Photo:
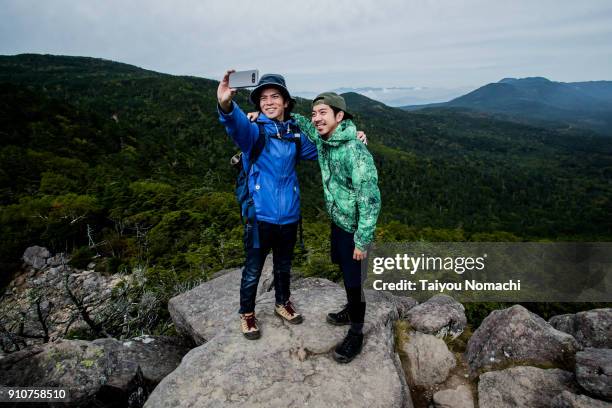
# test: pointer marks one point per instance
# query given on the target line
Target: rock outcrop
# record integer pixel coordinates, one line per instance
(157, 356)
(40, 295)
(441, 316)
(568, 400)
(460, 397)
(592, 328)
(594, 372)
(290, 365)
(428, 359)
(515, 336)
(204, 311)
(85, 370)
(36, 256)
(523, 387)
(97, 372)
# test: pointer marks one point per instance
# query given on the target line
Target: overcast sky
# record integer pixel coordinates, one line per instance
(434, 48)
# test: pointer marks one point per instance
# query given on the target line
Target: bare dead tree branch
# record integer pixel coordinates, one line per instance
(43, 319)
(97, 328)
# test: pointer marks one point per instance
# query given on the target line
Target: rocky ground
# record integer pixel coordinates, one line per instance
(42, 303)
(414, 355)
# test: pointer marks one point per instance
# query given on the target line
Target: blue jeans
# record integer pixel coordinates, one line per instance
(280, 239)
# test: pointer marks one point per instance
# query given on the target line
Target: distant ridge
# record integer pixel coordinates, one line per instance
(540, 101)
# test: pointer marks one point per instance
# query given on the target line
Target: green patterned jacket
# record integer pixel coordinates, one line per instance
(350, 180)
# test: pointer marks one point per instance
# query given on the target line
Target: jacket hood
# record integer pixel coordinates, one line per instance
(344, 132)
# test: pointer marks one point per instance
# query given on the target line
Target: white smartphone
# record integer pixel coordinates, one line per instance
(244, 79)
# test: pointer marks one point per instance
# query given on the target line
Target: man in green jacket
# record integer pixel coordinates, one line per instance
(352, 198)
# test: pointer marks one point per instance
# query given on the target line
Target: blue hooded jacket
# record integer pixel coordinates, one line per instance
(273, 181)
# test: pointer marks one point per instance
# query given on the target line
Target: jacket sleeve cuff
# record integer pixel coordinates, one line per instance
(362, 246)
(229, 114)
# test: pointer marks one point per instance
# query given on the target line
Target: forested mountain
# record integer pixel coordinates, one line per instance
(539, 101)
(135, 162)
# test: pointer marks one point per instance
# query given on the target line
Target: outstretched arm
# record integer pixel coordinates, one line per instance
(237, 125)
(225, 94)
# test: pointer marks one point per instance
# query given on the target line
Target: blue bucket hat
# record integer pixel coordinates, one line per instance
(271, 80)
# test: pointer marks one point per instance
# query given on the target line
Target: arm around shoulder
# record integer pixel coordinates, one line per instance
(309, 144)
(306, 126)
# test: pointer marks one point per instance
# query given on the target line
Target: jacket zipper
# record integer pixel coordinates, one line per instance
(328, 181)
(281, 200)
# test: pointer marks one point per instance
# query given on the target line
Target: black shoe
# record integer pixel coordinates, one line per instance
(350, 347)
(339, 319)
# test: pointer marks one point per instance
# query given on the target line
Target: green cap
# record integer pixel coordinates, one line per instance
(334, 100)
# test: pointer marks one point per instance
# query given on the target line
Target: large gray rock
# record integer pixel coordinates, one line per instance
(441, 315)
(592, 328)
(36, 256)
(202, 312)
(523, 387)
(91, 375)
(594, 372)
(157, 356)
(568, 400)
(460, 397)
(428, 359)
(515, 336)
(290, 365)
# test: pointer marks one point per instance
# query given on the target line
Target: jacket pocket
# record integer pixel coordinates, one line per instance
(292, 200)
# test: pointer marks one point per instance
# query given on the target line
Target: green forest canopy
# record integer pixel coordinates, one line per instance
(139, 159)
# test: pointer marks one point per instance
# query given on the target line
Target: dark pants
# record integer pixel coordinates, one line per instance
(281, 240)
(342, 247)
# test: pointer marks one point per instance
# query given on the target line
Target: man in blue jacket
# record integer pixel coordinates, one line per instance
(273, 185)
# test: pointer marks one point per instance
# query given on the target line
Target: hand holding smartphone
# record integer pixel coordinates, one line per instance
(244, 79)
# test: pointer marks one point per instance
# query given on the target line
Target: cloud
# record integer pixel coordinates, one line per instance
(327, 44)
(400, 96)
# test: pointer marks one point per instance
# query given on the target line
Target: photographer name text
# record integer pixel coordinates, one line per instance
(437, 286)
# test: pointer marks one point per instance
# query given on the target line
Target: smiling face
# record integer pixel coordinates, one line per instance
(325, 120)
(272, 103)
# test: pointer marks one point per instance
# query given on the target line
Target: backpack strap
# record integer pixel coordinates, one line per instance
(250, 205)
(297, 138)
(258, 147)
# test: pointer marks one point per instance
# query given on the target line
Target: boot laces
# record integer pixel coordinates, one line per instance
(343, 314)
(251, 321)
(289, 308)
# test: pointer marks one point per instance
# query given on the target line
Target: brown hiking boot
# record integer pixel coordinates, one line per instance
(287, 312)
(248, 325)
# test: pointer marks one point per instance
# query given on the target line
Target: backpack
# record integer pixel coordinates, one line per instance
(243, 195)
